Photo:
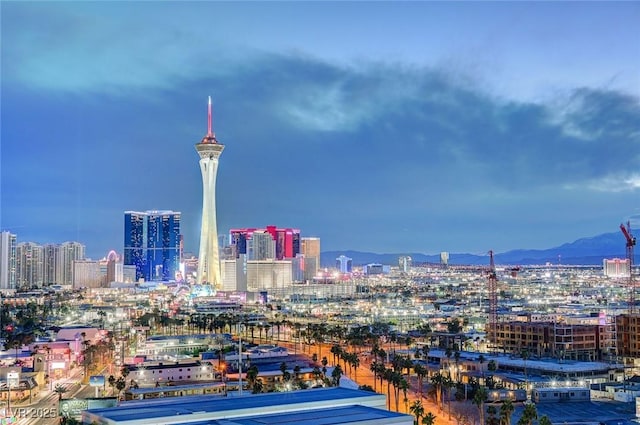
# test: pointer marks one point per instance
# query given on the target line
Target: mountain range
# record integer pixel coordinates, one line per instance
(584, 251)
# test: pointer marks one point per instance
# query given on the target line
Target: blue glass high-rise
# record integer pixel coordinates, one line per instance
(152, 243)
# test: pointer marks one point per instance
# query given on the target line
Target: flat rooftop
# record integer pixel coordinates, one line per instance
(208, 407)
(336, 416)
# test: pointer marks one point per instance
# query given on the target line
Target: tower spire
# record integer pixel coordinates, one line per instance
(209, 130)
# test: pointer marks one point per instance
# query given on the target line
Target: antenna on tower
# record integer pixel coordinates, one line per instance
(209, 130)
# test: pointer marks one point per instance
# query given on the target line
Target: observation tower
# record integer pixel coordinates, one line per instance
(208, 259)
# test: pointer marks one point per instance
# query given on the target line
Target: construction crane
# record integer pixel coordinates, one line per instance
(493, 300)
(631, 242)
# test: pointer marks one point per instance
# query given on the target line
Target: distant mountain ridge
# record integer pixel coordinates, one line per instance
(584, 251)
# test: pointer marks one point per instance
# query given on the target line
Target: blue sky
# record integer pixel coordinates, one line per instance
(379, 126)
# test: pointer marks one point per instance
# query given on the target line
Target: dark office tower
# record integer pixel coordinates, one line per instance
(163, 244)
(152, 243)
(134, 242)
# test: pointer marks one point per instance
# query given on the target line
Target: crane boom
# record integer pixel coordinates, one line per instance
(493, 301)
(631, 243)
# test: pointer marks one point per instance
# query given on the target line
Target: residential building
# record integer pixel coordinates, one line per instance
(552, 339)
(29, 265)
(628, 335)
(68, 252)
(8, 246)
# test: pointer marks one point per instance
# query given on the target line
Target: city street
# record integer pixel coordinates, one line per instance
(44, 409)
(365, 377)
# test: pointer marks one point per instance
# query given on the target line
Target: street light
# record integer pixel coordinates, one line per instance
(222, 368)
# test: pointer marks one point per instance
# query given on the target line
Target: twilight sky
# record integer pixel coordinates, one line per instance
(379, 126)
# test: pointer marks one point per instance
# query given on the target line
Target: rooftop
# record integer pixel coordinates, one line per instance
(335, 416)
(200, 405)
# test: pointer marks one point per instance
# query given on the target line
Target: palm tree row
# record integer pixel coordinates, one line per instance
(421, 418)
(350, 360)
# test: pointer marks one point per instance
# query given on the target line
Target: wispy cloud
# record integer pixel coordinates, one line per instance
(385, 144)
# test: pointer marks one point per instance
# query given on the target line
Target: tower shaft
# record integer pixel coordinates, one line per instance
(209, 151)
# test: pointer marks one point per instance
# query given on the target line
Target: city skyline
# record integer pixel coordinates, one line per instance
(411, 127)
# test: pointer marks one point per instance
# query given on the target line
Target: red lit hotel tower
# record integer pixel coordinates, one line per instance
(209, 151)
(287, 240)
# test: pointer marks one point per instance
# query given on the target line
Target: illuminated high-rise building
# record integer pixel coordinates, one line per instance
(344, 264)
(152, 243)
(68, 252)
(616, 267)
(310, 248)
(51, 254)
(134, 243)
(209, 151)
(405, 262)
(29, 265)
(287, 241)
(7, 260)
(261, 246)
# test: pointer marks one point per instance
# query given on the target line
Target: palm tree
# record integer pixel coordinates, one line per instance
(478, 399)
(448, 383)
(429, 419)
(544, 420)
(481, 360)
(283, 369)
(121, 383)
(388, 376)
(60, 390)
(252, 376)
(355, 362)
(437, 380)
(336, 374)
(374, 368)
(506, 410)
(258, 387)
(418, 410)
(112, 382)
(528, 415)
(421, 373)
(492, 420)
(404, 386)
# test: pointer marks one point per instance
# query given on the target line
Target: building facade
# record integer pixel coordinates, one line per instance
(404, 263)
(68, 253)
(287, 240)
(310, 248)
(616, 267)
(261, 246)
(152, 243)
(8, 246)
(628, 335)
(29, 265)
(553, 339)
(344, 264)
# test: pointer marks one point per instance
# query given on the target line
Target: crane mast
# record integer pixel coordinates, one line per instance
(630, 244)
(493, 300)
